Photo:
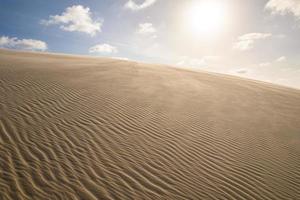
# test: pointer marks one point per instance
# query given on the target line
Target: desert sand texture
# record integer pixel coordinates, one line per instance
(74, 127)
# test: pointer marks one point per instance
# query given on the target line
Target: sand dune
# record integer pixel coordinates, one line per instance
(89, 128)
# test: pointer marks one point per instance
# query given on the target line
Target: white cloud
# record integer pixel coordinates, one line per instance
(24, 44)
(121, 58)
(255, 36)
(196, 62)
(103, 48)
(246, 42)
(75, 18)
(280, 36)
(283, 7)
(265, 64)
(146, 28)
(244, 45)
(240, 71)
(190, 62)
(281, 59)
(132, 5)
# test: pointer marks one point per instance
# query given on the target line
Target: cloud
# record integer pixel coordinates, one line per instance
(132, 5)
(281, 59)
(265, 64)
(240, 71)
(246, 42)
(103, 48)
(75, 18)
(280, 36)
(146, 28)
(24, 44)
(196, 62)
(284, 7)
(121, 58)
(244, 45)
(255, 36)
(191, 62)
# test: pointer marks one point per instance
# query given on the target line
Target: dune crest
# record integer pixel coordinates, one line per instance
(90, 128)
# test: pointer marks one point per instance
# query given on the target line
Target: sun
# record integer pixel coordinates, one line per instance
(205, 17)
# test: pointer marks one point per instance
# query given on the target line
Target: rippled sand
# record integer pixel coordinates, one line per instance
(87, 128)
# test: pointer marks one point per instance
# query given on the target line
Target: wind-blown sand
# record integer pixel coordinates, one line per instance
(90, 128)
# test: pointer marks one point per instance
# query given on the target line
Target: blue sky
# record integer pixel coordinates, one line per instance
(258, 39)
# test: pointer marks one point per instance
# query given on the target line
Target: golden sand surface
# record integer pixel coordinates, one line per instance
(88, 128)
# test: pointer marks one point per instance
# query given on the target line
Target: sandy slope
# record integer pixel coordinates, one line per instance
(87, 128)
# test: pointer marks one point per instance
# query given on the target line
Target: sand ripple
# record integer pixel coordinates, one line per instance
(86, 128)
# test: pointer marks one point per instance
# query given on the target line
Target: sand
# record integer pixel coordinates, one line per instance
(93, 128)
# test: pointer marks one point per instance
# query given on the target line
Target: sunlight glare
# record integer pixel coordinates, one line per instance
(205, 17)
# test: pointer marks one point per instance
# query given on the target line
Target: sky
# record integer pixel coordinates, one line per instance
(257, 39)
